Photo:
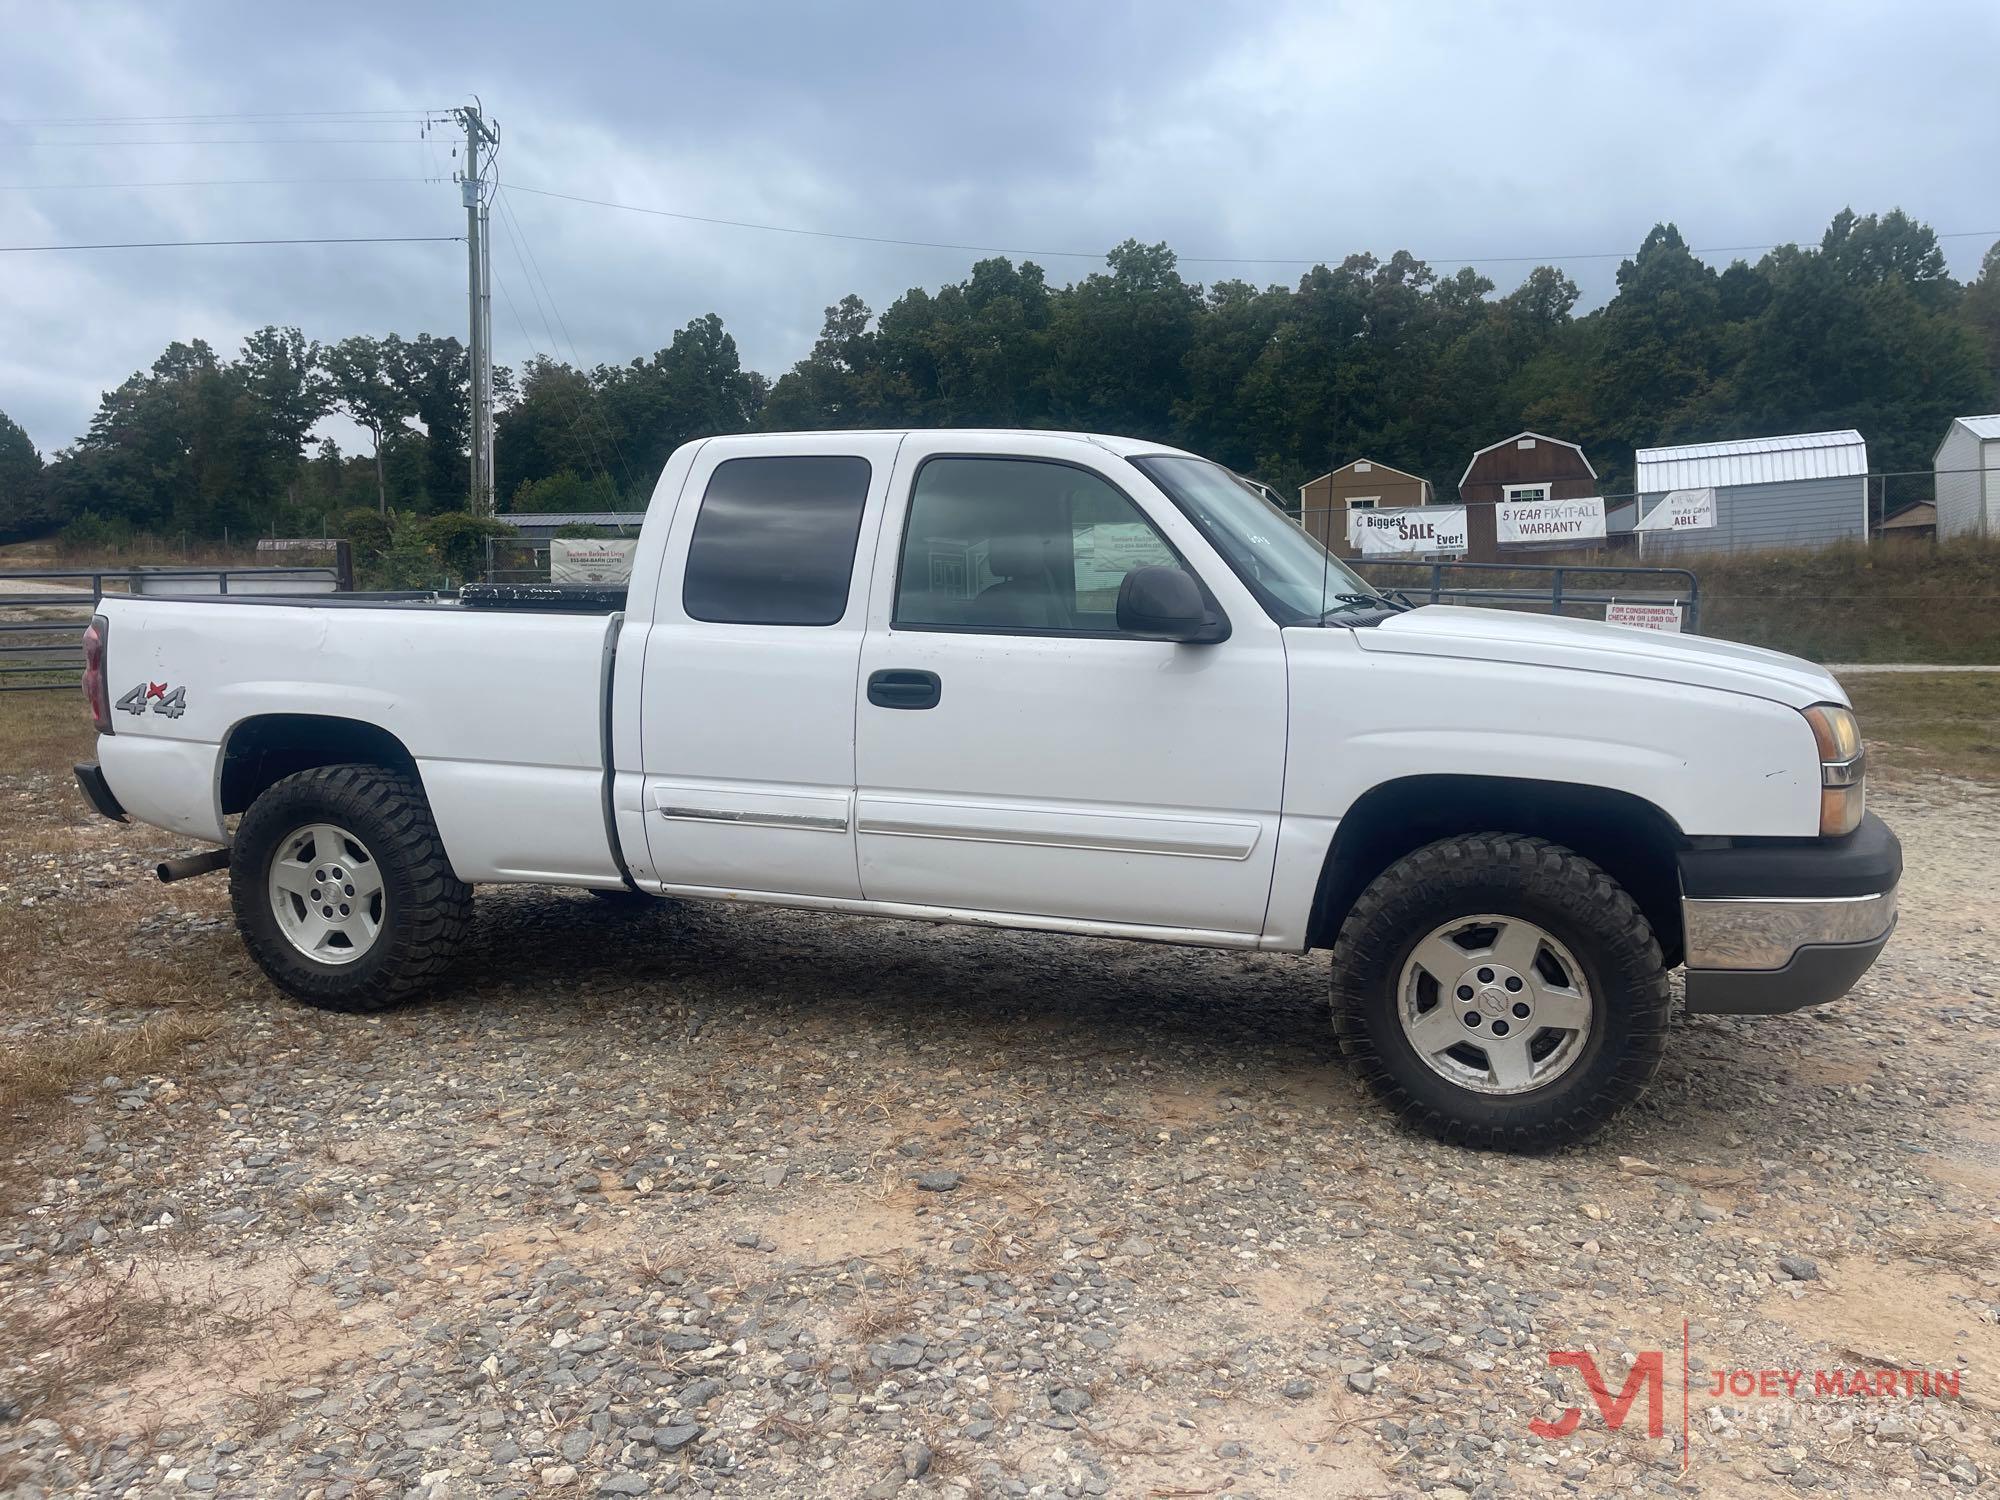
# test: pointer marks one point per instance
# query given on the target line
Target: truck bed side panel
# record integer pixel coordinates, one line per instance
(500, 711)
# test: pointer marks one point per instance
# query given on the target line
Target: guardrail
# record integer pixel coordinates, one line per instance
(62, 602)
(1561, 589)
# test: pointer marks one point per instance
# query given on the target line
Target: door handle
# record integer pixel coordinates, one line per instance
(899, 688)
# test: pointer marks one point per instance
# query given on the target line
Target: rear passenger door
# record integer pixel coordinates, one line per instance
(749, 679)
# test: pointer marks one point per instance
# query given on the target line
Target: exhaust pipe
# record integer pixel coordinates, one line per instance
(184, 866)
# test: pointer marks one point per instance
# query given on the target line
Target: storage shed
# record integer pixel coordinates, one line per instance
(1526, 466)
(1363, 484)
(1806, 489)
(1968, 486)
(1912, 524)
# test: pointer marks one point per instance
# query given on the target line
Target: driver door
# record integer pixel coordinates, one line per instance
(1014, 752)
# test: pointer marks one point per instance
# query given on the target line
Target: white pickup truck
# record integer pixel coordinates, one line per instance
(1079, 684)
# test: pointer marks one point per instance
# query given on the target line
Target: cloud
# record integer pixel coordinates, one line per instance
(1291, 129)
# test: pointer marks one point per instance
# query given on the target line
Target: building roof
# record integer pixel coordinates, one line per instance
(1922, 513)
(1985, 427)
(1538, 437)
(1771, 460)
(550, 520)
(1372, 464)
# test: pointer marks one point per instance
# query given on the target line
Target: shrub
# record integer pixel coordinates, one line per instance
(368, 531)
(458, 539)
(90, 532)
(578, 531)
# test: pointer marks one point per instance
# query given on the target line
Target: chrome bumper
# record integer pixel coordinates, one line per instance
(1761, 955)
(1764, 932)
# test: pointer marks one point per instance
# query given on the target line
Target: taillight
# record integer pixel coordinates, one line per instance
(95, 691)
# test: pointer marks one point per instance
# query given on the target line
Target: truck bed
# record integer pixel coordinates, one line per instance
(500, 709)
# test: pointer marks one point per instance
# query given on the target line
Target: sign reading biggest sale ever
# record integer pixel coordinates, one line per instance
(1406, 529)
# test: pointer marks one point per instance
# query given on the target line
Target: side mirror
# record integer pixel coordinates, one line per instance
(1166, 604)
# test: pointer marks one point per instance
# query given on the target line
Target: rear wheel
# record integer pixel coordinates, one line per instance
(342, 890)
(1500, 991)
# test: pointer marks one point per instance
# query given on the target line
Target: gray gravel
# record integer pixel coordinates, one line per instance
(701, 1200)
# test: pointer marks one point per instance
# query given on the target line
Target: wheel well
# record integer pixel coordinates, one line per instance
(1630, 838)
(265, 750)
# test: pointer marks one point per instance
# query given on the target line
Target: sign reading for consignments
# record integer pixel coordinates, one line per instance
(1407, 529)
(1681, 510)
(1578, 520)
(1644, 616)
(576, 560)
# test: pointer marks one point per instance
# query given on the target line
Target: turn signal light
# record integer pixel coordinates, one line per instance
(1842, 768)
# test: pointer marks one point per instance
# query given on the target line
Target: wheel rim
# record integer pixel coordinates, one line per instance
(326, 892)
(1495, 1004)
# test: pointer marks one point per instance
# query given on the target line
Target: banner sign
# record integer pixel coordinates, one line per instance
(575, 560)
(1407, 529)
(1644, 616)
(1681, 510)
(1579, 520)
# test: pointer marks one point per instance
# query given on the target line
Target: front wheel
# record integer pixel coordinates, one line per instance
(1501, 992)
(342, 890)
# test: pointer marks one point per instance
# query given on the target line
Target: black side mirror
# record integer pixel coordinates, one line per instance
(1165, 604)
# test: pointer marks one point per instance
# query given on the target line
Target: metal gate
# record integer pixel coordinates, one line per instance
(1561, 586)
(43, 612)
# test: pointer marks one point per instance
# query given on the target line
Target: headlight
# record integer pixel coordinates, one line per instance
(1842, 795)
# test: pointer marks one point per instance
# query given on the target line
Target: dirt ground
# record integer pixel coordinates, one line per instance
(690, 1199)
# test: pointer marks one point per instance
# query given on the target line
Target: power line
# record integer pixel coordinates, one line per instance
(351, 239)
(220, 118)
(579, 424)
(518, 234)
(242, 140)
(1227, 260)
(64, 187)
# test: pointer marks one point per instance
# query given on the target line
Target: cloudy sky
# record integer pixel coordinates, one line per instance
(1276, 133)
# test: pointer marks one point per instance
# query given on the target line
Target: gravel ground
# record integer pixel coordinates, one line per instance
(685, 1199)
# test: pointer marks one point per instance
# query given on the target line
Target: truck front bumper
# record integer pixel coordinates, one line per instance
(1777, 926)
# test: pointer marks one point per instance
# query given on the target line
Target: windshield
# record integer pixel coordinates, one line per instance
(1293, 576)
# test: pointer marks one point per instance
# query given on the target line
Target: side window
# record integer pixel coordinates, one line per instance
(774, 542)
(1019, 544)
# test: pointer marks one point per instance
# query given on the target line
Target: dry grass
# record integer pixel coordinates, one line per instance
(34, 1073)
(1943, 721)
(44, 731)
(1967, 1251)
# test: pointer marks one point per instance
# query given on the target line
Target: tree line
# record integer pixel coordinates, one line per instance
(1385, 359)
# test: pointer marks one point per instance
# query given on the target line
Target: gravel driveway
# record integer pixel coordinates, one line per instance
(682, 1199)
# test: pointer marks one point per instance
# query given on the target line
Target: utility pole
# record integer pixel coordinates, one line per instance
(479, 132)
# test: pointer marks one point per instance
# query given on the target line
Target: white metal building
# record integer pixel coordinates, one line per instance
(1807, 489)
(1966, 471)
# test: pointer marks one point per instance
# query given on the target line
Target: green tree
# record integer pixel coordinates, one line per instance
(23, 503)
(566, 493)
(434, 378)
(362, 382)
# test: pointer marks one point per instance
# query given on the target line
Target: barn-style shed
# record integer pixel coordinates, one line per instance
(1363, 484)
(1804, 489)
(1526, 466)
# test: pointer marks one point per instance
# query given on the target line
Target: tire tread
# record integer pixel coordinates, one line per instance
(1372, 936)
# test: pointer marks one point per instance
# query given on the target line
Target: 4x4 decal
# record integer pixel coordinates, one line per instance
(169, 704)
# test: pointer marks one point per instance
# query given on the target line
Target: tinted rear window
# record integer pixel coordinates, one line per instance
(774, 543)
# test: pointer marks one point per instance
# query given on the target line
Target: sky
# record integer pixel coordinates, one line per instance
(1251, 138)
